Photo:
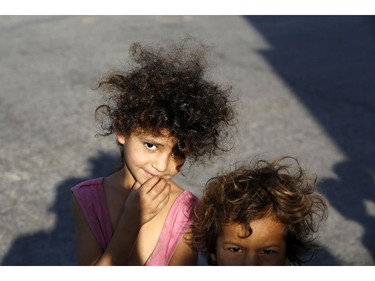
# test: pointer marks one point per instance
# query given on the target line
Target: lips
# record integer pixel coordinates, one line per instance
(148, 174)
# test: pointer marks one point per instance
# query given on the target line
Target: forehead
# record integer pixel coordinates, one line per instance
(151, 133)
(163, 137)
(268, 226)
(263, 230)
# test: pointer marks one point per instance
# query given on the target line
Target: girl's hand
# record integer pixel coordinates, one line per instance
(145, 201)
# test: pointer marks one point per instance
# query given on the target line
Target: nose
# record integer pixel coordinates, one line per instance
(250, 259)
(160, 163)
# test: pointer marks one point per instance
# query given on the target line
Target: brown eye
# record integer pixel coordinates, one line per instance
(150, 146)
(268, 252)
(235, 249)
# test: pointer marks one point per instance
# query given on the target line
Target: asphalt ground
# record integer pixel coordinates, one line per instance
(305, 87)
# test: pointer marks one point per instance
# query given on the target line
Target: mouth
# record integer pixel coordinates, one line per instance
(148, 174)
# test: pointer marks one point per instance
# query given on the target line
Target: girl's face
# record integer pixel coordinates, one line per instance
(265, 245)
(146, 155)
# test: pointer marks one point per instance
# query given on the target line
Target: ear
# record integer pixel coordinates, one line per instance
(120, 138)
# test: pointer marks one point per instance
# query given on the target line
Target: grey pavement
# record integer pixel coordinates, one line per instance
(305, 87)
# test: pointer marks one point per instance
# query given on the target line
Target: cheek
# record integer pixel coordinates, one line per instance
(133, 157)
(173, 167)
(223, 258)
(174, 170)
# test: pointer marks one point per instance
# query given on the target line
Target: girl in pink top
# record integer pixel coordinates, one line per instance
(162, 112)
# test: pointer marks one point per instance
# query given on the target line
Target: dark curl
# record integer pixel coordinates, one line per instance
(166, 91)
(253, 192)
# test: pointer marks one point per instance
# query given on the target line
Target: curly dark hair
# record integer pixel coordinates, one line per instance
(258, 190)
(166, 91)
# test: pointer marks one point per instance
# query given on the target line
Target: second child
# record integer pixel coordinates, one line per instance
(264, 213)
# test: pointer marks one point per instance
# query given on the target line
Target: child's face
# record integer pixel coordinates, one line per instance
(265, 245)
(146, 155)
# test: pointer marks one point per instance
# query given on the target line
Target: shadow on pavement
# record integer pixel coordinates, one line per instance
(57, 247)
(328, 62)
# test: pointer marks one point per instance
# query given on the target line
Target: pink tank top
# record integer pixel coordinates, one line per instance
(90, 196)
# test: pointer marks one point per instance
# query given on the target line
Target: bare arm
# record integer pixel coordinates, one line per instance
(143, 203)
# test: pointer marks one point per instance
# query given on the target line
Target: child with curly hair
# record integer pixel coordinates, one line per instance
(265, 213)
(163, 111)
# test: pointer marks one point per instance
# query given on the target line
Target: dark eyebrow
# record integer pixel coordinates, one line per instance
(231, 243)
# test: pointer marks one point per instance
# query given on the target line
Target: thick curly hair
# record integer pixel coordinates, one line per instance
(166, 91)
(258, 190)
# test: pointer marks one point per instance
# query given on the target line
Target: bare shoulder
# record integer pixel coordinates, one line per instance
(176, 190)
(184, 254)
